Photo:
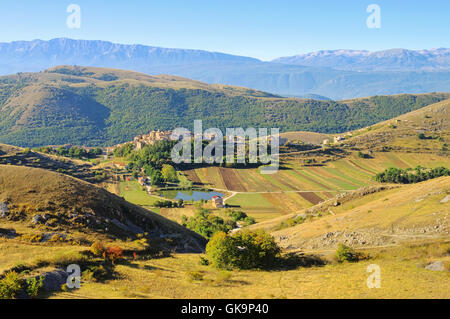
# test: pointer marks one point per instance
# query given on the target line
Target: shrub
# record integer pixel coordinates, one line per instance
(346, 253)
(243, 250)
(98, 273)
(169, 173)
(11, 285)
(207, 224)
(363, 155)
(113, 253)
(56, 238)
(204, 261)
(35, 286)
(97, 249)
(194, 275)
(165, 203)
(32, 238)
(239, 216)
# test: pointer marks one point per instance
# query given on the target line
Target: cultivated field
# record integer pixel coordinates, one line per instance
(296, 187)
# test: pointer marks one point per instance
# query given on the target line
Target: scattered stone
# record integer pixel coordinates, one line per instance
(4, 210)
(435, 266)
(446, 199)
(37, 219)
(54, 280)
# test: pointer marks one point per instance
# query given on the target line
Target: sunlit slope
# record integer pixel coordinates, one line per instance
(77, 205)
(297, 187)
(402, 133)
(388, 217)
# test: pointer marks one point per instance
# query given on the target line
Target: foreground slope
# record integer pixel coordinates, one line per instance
(61, 203)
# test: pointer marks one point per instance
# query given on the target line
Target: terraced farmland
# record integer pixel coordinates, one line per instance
(296, 187)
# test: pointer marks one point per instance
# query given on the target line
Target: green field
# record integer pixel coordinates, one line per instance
(133, 193)
(295, 187)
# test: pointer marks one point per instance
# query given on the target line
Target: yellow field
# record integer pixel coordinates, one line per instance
(401, 277)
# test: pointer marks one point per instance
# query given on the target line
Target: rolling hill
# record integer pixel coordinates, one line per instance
(402, 133)
(313, 176)
(95, 106)
(338, 75)
(36, 197)
(386, 217)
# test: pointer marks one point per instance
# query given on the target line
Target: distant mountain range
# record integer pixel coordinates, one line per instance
(388, 60)
(337, 74)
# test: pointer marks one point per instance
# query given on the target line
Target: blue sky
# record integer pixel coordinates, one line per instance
(264, 29)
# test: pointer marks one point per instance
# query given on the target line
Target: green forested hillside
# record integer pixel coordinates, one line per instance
(92, 106)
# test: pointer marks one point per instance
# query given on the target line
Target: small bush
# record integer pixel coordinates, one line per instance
(204, 261)
(56, 238)
(346, 253)
(98, 273)
(113, 253)
(243, 250)
(363, 155)
(11, 285)
(35, 286)
(194, 275)
(20, 268)
(33, 238)
(97, 249)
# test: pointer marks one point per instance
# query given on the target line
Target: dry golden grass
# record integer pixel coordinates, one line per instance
(181, 276)
(401, 277)
(39, 191)
(408, 207)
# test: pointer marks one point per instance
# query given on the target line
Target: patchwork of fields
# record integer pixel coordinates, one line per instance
(294, 188)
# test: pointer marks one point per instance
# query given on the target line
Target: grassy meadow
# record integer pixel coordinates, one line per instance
(181, 276)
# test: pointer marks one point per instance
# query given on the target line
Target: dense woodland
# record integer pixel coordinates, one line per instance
(113, 113)
(410, 176)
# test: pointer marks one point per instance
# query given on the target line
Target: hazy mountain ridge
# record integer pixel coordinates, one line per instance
(86, 52)
(395, 73)
(362, 60)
